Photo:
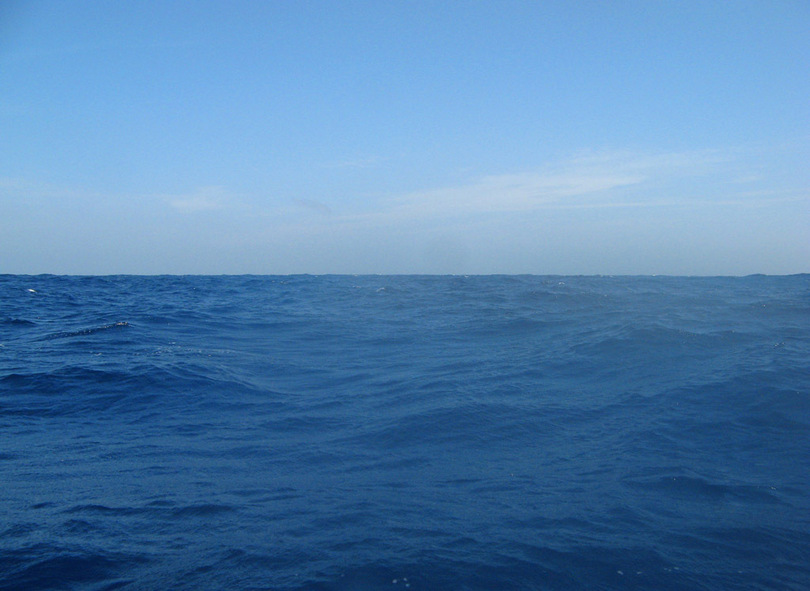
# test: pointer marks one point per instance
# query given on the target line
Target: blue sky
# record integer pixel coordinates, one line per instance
(405, 137)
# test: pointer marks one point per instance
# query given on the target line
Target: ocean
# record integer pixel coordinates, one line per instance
(404, 432)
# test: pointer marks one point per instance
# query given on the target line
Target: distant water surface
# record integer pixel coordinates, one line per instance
(404, 432)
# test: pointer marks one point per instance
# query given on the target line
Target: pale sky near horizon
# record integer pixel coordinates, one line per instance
(548, 137)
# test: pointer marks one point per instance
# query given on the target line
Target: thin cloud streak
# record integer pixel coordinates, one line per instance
(312, 205)
(587, 181)
(358, 163)
(203, 199)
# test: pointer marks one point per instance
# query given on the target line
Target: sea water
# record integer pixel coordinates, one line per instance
(404, 432)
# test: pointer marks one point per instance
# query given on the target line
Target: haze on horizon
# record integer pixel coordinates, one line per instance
(153, 137)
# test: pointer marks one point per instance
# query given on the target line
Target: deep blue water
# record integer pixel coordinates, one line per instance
(373, 432)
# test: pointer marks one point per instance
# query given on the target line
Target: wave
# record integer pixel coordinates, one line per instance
(17, 322)
(404, 433)
(698, 490)
(144, 387)
(47, 566)
(115, 326)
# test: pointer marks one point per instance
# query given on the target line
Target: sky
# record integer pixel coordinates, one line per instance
(544, 137)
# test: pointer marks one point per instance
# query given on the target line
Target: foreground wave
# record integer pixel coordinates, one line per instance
(333, 433)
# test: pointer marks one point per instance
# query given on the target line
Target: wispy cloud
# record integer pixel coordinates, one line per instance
(203, 199)
(34, 191)
(355, 163)
(592, 180)
(313, 205)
